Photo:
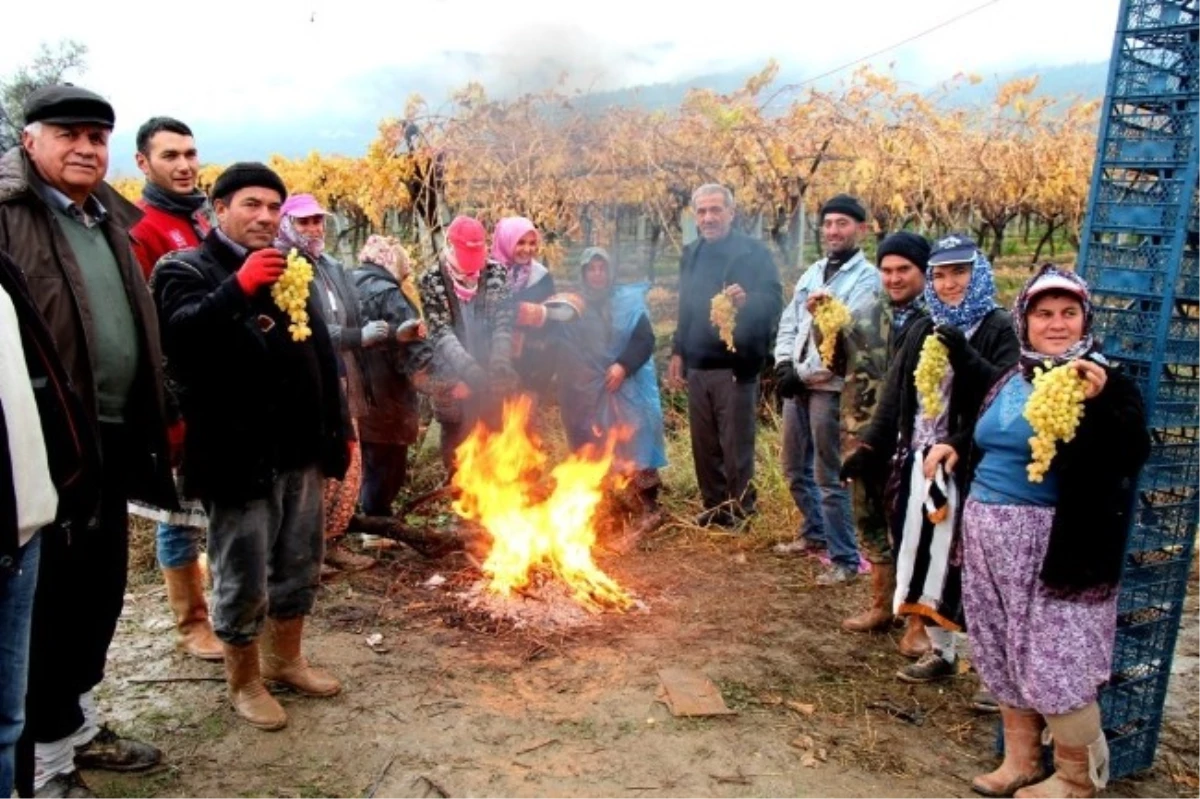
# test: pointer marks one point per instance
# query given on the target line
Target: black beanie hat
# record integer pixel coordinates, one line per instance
(844, 204)
(907, 245)
(244, 174)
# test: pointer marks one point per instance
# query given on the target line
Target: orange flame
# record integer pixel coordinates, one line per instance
(500, 478)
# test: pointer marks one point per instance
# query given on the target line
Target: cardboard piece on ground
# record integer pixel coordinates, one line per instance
(690, 693)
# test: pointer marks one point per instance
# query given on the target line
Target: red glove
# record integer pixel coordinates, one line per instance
(531, 314)
(175, 436)
(262, 268)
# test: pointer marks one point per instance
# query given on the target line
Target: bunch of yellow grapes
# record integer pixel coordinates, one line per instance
(1053, 410)
(290, 293)
(930, 371)
(724, 316)
(831, 316)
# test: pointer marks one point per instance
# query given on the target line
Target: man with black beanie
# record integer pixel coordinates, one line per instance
(265, 426)
(812, 388)
(902, 258)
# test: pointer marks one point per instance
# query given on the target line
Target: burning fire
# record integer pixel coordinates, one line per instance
(500, 476)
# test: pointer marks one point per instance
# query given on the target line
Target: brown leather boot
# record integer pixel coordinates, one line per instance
(915, 641)
(250, 697)
(879, 615)
(283, 661)
(1022, 754)
(1072, 775)
(185, 594)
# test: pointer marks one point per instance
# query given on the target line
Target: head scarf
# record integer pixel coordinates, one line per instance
(1086, 344)
(978, 302)
(288, 237)
(505, 236)
(388, 252)
(591, 294)
(465, 285)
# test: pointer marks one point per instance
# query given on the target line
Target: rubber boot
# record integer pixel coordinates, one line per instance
(283, 662)
(250, 697)
(879, 615)
(185, 594)
(1076, 770)
(915, 641)
(1022, 754)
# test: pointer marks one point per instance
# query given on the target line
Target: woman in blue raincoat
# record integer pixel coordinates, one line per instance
(606, 378)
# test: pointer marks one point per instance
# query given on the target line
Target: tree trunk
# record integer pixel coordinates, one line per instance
(1048, 236)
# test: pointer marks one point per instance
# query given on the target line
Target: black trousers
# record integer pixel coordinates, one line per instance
(80, 593)
(722, 424)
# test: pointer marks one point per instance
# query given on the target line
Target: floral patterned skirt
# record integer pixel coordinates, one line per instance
(1032, 649)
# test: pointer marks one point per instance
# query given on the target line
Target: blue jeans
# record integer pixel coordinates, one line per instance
(16, 615)
(812, 458)
(177, 545)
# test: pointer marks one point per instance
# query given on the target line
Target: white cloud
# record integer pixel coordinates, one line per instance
(225, 62)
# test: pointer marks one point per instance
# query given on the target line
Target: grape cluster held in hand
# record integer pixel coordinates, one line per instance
(290, 293)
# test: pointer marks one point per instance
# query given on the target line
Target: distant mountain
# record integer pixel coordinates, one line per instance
(384, 92)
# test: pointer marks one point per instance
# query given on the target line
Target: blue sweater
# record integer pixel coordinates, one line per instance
(1002, 434)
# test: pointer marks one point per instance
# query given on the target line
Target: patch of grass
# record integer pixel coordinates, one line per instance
(136, 786)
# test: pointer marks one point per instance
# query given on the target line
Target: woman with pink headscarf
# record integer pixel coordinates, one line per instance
(515, 243)
(470, 318)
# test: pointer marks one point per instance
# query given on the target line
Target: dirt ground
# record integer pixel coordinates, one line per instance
(453, 705)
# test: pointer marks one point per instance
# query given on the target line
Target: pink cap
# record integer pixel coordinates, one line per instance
(469, 240)
(302, 206)
(1054, 282)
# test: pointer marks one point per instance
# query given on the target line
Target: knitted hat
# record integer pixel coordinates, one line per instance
(844, 204)
(245, 174)
(909, 246)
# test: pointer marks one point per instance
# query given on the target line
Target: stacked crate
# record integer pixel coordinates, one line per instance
(1139, 255)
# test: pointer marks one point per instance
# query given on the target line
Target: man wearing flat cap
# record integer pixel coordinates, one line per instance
(265, 425)
(69, 232)
(812, 388)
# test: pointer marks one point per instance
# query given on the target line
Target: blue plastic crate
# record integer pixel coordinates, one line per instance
(1128, 329)
(1141, 651)
(1152, 592)
(1171, 392)
(1130, 704)
(1150, 15)
(1174, 460)
(1163, 521)
(1132, 751)
(1119, 266)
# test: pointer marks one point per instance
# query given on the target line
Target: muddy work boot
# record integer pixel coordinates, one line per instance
(915, 642)
(1079, 772)
(879, 615)
(249, 696)
(185, 594)
(1022, 754)
(110, 752)
(283, 662)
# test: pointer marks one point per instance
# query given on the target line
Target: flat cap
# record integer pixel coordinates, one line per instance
(65, 104)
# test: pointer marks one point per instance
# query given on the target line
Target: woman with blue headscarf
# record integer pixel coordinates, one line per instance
(924, 445)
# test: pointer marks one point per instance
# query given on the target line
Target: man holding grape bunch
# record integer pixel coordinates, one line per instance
(821, 331)
(264, 428)
(721, 375)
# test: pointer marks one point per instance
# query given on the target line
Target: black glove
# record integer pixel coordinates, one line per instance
(787, 382)
(857, 464)
(954, 340)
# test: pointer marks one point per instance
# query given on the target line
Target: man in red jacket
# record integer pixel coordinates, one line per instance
(176, 218)
(177, 215)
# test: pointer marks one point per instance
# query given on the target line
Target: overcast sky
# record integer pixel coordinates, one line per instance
(223, 61)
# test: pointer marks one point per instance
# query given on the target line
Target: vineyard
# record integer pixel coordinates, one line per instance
(621, 174)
